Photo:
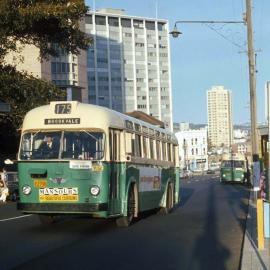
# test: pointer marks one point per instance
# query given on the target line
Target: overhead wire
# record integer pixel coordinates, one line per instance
(223, 36)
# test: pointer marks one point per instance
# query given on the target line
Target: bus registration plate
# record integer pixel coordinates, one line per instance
(65, 194)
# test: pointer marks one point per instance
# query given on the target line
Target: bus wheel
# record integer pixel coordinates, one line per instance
(47, 219)
(127, 220)
(169, 202)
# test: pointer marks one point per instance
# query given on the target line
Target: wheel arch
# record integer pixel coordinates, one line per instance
(132, 184)
(164, 196)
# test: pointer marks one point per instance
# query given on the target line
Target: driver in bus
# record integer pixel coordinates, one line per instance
(49, 148)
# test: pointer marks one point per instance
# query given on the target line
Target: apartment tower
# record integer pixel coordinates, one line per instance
(219, 109)
(128, 64)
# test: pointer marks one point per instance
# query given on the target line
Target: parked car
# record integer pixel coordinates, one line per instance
(210, 171)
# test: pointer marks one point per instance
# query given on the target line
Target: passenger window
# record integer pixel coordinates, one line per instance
(152, 152)
(169, 152)
(164, 151)
(158, 149)
(115, 145)
(138, 147)
(145, 152)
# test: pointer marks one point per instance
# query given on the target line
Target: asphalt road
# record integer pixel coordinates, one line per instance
(204, 232)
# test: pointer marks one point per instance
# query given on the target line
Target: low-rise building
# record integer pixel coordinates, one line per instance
(193, 149)
(180, 126)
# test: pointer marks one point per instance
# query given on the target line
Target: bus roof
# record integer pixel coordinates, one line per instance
(76, 115)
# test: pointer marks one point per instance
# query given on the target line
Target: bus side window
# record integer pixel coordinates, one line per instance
(169, 152)
(158, 149)
(176, 155)
(128, 141)
(114, 145)
(173, 155)
(152, 151)
(111, 144)
(138, 146)
(164, 151)
(145, 153)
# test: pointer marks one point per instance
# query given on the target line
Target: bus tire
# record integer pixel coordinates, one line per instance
(125, 221)
(47, 219)
(169, 202)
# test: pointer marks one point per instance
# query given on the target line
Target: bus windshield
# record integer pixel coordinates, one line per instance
(43, 145)
(233, 163)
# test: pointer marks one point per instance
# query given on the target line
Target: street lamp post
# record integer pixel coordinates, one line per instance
(252, 82)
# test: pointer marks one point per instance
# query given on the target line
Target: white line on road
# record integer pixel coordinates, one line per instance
(7, 219)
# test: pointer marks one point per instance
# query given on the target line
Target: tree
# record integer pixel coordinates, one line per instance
(22, 92)
(42, 23)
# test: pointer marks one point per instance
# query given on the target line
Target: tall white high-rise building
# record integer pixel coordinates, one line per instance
(129, 63)
(219, 109)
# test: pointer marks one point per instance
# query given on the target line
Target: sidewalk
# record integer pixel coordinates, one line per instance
(252, 258)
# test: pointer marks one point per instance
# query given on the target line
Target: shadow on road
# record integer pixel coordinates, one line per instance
(208, 252)
(185, 195)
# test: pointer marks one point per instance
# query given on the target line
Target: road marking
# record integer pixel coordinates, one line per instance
(197, 180)
(7, 219)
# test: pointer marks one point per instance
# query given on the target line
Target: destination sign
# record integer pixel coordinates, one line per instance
(62, 121)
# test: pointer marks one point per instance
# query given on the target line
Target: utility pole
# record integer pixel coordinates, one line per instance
(253, 99)
(252, 85)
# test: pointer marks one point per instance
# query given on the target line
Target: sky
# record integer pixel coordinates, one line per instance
(208, 55)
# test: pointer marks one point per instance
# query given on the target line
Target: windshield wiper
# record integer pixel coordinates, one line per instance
(34, 135)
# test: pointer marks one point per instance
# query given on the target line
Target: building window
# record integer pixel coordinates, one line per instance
(138, 44)
(60, 67)
(100, 20)
(53, 67)
(163, 55)
(161, 26)
(88, 19)
(162, 46)
(126, 23)
(138, 24)
(113, 21)
(152, 54)
(150, 25)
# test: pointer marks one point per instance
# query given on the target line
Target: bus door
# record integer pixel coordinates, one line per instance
(115, 170)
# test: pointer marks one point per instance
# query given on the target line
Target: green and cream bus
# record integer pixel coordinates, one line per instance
(82, 159)
(233, 169)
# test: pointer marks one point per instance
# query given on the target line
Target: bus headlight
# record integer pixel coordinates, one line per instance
(26, 190)
(224, 175)
(94, 190)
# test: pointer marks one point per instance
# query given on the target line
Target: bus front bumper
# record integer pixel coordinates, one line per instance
(67, 208)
